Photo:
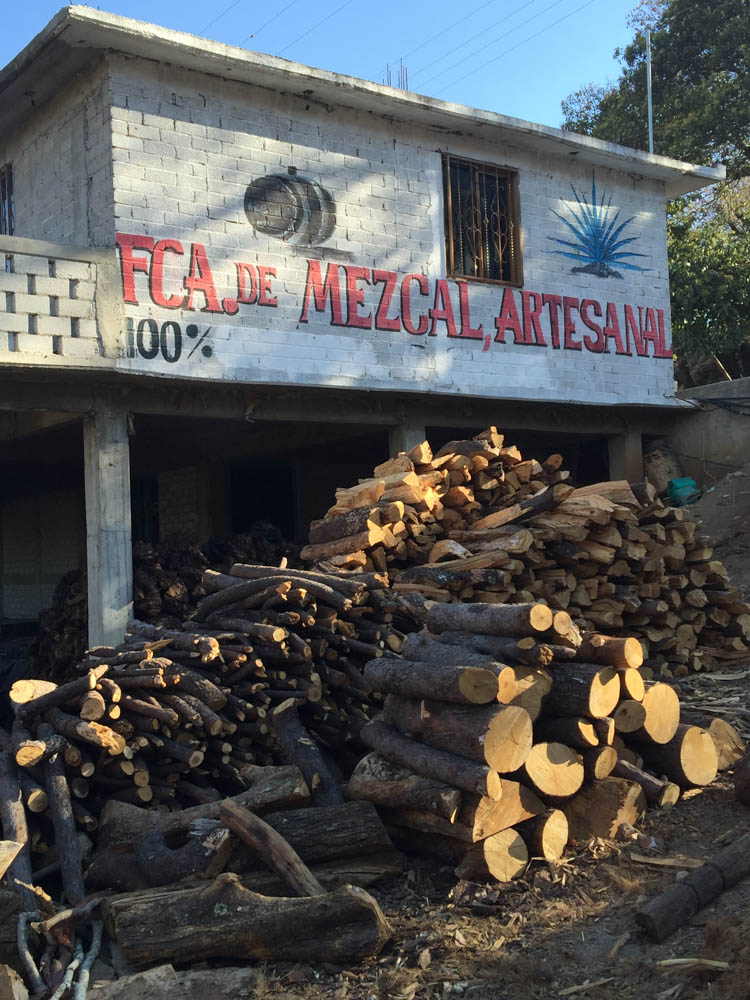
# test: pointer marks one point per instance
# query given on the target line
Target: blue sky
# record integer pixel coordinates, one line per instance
(518, 57)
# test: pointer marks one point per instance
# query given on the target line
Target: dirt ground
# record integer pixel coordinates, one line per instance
(724, 513)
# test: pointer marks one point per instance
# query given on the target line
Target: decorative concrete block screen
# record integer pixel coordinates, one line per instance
(55, 309)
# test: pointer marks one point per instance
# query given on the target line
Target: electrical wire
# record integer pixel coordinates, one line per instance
(219, 16)
(479, 34)
(315, 26)
(491, 43)
(514, 47)
(417, 48)
(269, 21)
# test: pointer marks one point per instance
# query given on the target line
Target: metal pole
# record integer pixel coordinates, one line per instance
(648, 90)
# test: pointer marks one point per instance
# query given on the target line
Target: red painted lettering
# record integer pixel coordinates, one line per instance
(130, 264)
(201, 280)
(355, 297)
(631, 327)
(555, 304)
(664, 351)
(592, 344)
(472, 333)
(322, 290)
(507, 319)
(570, 304)
(389, 281)
(612, 331)
(265, 274)
(247, 273)
(651, 333)
(532, 325)
(156, 275)
(442, 309)
(406, 317)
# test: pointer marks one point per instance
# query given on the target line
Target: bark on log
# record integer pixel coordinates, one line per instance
(439, 765)
(632, 685)
(502, 857)
(225, 920)
(742, 781)
(89, 732)
(353, 522)
(660, 793)
(15, 828)
(384, 783)
(582, 689)
(662, 714)
(662, 915)
(38, 704)
(546, 835)
(689, 759)
(428, 649)
(31, 750)
(413, 679)
(553, 770)
(575, 731)
(485, 816)
(162, 866)
(601, 808)
(629, 716)
(511, 620)
(501, 736)
(64, 824)
(611, 651)
(271, 848)
(301, 750)
(281, 788)
(599, 762)
(527, 651)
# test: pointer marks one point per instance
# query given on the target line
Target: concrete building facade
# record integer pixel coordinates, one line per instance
(312, 261)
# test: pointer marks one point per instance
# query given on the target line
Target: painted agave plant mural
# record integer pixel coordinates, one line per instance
(598, 244)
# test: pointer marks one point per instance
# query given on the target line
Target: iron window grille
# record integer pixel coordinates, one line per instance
(7, 221)
(482, 221)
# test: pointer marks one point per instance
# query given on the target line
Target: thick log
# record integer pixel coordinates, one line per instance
(278, 788)
(428, 649)
(575, 731)
(380, 781)
(414, 679)
(345, 583)
(486, 817)
(742, 781)
(602, 807)
(659, 793)
(527, 651)
(611, 651)
(271, 848)
(491, 619)
(366, 539)
(605, 730)
(64, 823)
(662, 915)
(599, 762)
(89, 732)
(225, 920)
(629, 716)
(632, 684)
(439, 765)
(582, 689)
(662, 714)
(160, 865)
(533, 685)
(729, 744)
(34, 796)
(502, 857)
(689, 759)
(546, 835)
(353, 522)
(39, 703)
(15, 828)
(30, 750)
(553, 770)
(500, 736)
(301, 750)
(248, 588)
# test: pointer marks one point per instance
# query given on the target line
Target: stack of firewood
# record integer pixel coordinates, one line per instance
(477, 521)
(177, 716)
(505, 732)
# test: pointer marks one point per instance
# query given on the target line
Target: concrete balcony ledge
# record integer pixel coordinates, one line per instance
(60, 306)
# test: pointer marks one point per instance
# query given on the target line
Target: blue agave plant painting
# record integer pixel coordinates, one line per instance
(599, 242)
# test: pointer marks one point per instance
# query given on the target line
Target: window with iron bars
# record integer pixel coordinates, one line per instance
(7, 221)
(482, 221)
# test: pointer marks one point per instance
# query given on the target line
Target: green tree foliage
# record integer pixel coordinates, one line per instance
(701, 93)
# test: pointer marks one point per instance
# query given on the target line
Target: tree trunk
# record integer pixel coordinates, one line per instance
(662, 714)
(225, 920)
(486, 817)
(658, 792)
(13, 818)
(546, 835)
(64, 823)
(553, 770)
(383, 783)
(689, 759)
(611, 651)
(300, 749)
(632, 685)
(440, 765)
(599, 762)
(502, 857)
(527, 651)
(329, 529)
(602, 807)
(729, 744)
(462, 684)
(512, 620)
(629, 716)
(582, 689)
(574, 731)
(500, 737)
(676, 905)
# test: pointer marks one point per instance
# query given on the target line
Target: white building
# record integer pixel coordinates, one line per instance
(223, 266)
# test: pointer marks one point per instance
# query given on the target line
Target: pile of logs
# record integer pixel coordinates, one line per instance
(505, 733)
(478, 522)
(177, 716)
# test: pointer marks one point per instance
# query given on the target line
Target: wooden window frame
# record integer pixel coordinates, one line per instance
(515, 248)
(7, 212)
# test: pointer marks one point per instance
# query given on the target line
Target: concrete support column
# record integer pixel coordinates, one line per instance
(406, 436)
(626, 456)
(109, 543)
